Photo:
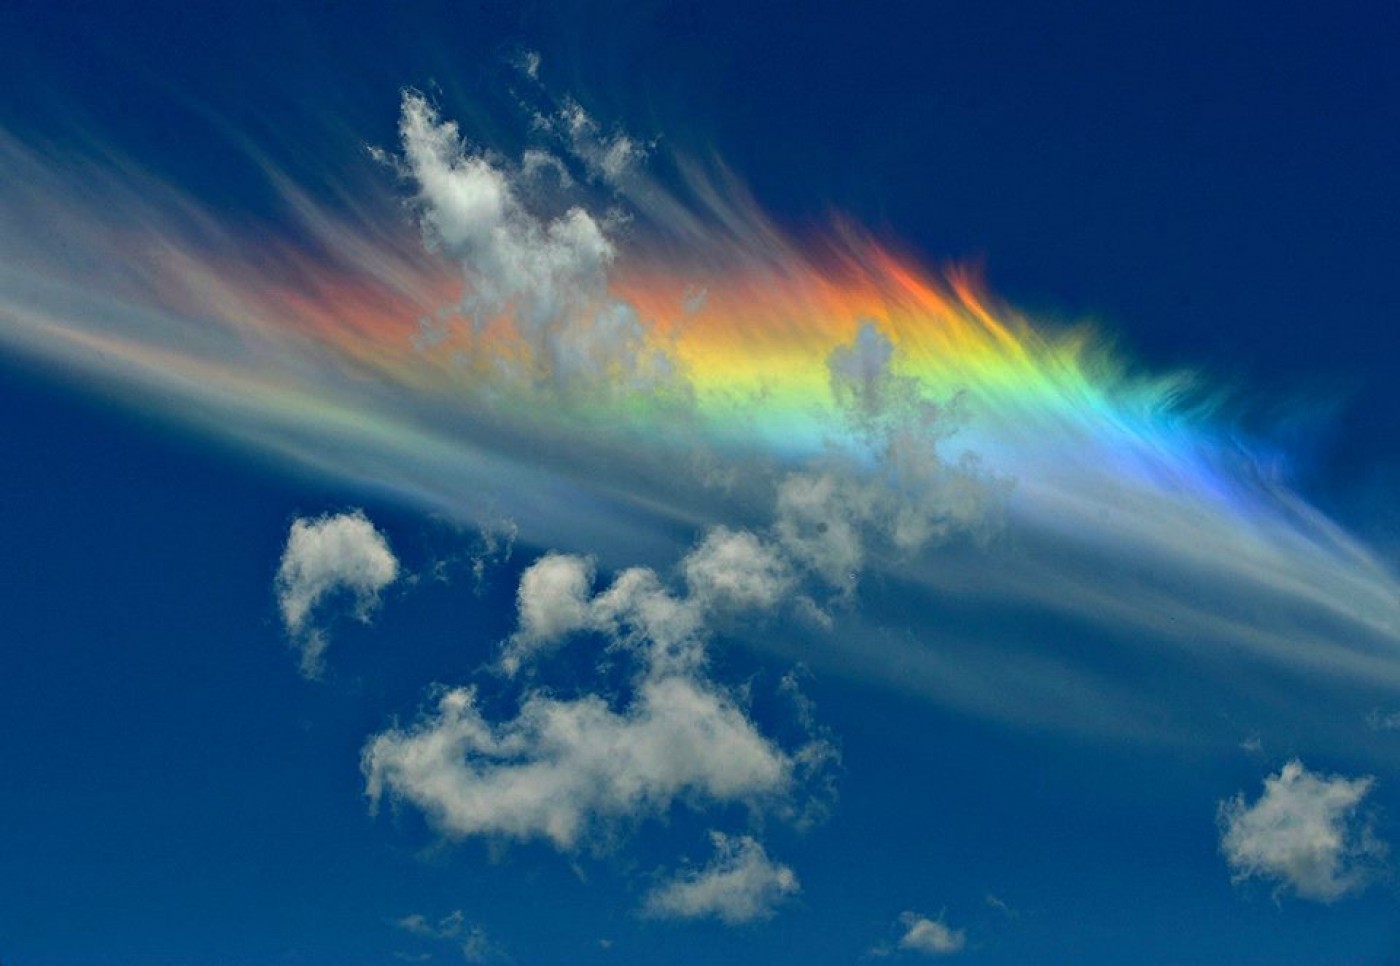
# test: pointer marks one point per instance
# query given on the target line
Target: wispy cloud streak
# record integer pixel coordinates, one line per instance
(527, 337)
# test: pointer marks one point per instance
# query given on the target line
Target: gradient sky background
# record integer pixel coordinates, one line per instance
(1213, 185)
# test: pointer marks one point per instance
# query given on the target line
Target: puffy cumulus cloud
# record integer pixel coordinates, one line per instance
(1305, 833)
(545, 279)
(561, 766)
(552, 601)
(323, 557)
(740, 884)
(638, 611)
(734, 568)
(729, 571)
(931, 937)
(564, 768)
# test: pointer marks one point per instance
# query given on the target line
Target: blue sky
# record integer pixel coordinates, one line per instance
(1023, 748)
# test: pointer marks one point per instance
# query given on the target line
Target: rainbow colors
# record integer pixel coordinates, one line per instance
(701, 347)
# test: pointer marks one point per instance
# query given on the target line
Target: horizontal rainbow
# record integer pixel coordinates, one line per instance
(753, 348)
(320, 353)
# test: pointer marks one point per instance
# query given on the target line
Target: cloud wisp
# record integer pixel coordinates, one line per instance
(472, 941)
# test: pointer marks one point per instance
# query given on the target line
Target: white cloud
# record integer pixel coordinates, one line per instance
(478, 947)
(741, 884)
(562, 766)
(818, 523)
(546, 279)
(325, 556)
(449, 926)
(930, 936)
(637, 610)
(1304, 833)
(1001, 905)
(735, 569)
(730, 570)
(552, 602)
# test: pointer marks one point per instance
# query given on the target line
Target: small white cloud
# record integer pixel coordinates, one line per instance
(1001, 905)
(931, 937)
(449, 926)
(1304, 833)
(552, 602)
(416, 923)
(639, 611)
(479, 948)
(741, 884)
(324, 556)
(735, 569)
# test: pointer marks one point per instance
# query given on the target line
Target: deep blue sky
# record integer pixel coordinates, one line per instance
(1216, 183)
